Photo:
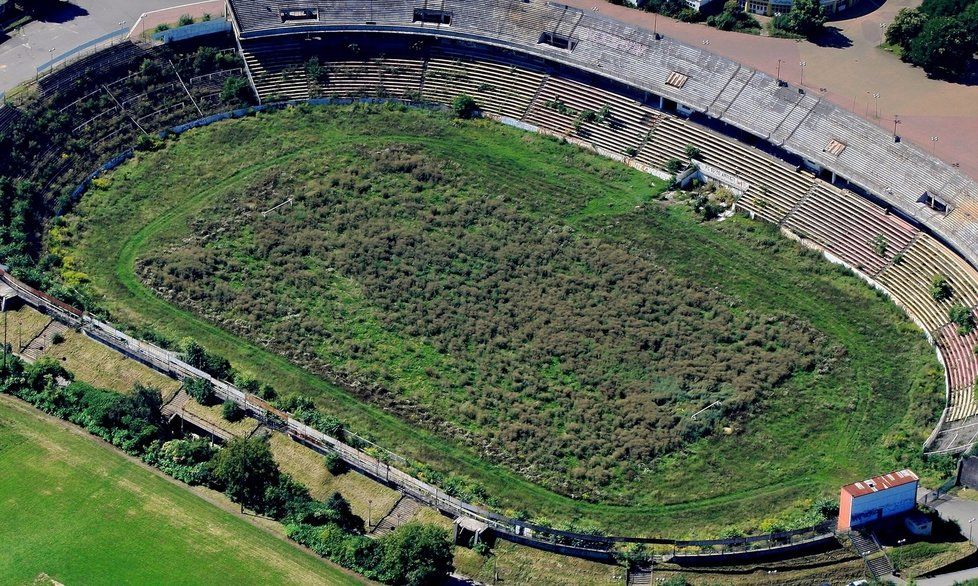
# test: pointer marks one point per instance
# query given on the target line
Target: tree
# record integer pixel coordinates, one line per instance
(935, 8)
(733, 18)
(969, 18)
(201, 390)
(246, 469)
(943, 48)
(464, 106)
(806, 18)
(940, 288)
(906, 25)
(415, 555)
(231, 412)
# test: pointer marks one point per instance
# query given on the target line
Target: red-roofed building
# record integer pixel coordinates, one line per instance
(877, 498)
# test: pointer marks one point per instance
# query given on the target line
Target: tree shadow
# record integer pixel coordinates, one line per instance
(861, 9)
(55, 12)
(832, 37)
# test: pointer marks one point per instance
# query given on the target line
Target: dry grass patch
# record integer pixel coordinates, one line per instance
(307, 466)
(102, 367)
(517, 564)
(212, 415)
(432, 516)
(23, 324)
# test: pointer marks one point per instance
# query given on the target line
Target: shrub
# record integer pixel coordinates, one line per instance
(940, 288)
(57, 338)
(880, 245)
(148, 142)
(185, 19)
(237, 92)
(231, 412)
(675, 166)
(463, 106)
(162, 27)
(692, 152)
(961, 315)
(335, 464)
(195, 355)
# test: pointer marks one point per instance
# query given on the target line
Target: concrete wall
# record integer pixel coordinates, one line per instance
(885, 503)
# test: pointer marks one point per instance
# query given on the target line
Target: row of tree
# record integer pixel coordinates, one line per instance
(244, 470)
(941, 36)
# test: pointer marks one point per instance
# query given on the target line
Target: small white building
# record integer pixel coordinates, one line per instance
(877, 498)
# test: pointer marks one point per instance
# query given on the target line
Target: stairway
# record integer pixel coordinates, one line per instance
(405, 510)
(639, 576)
(863, 543)
(35, 348)
(878, 564)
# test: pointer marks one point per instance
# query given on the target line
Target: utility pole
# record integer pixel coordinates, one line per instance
(3, 308)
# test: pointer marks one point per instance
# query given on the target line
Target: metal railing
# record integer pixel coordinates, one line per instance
(108, 38)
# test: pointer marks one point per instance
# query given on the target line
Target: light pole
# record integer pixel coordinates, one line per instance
(876, 97)
(896, 120)
(779, 71)
(933, 141)
(971, 522)
(370, 505)
(802, 64)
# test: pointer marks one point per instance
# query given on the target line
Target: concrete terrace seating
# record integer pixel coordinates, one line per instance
(277, 68)
(848, 225)
(775, 188)
(497, 88)
(622, 131)
(962, 369)
(91, 69)
(800, 124)
(373, 77)
(909, 281)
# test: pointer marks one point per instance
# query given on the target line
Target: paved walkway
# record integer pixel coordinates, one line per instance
(84, 20)
(850, 68)
(954, 509)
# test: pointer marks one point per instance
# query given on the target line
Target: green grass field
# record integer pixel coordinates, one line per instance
(866, 410)
(81, 513)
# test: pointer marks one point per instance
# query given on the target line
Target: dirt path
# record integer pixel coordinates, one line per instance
(849, 75)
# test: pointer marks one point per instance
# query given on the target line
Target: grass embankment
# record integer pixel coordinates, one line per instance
(82, 513)
(90, 361)
(873, 402)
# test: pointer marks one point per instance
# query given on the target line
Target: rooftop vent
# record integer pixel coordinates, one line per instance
(835, 148)
(558, 40)
(432, 16)
(676, 79)
(299, 14)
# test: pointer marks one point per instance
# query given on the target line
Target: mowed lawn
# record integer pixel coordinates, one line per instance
(81, 513)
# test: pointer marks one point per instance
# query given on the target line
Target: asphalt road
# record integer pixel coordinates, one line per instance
(77, 23)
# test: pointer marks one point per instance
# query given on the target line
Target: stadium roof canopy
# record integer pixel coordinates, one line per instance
(898, 173)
